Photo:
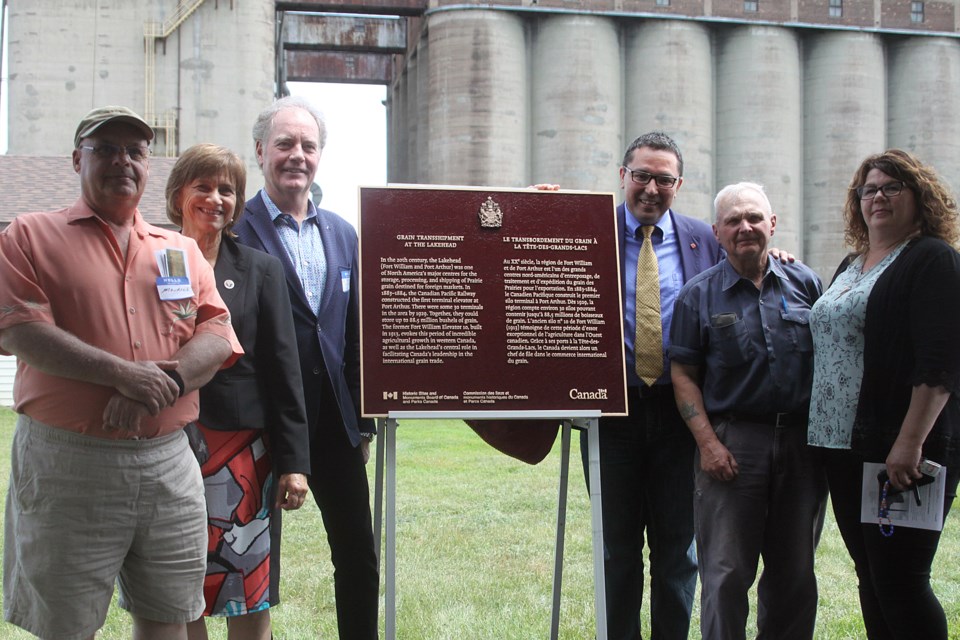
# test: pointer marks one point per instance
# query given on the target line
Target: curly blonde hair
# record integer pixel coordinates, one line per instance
(936, 206)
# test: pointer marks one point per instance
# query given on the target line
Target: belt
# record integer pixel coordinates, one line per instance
(656, 391)
(774, 419)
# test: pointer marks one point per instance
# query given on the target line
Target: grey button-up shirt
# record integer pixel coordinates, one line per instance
(754, 348)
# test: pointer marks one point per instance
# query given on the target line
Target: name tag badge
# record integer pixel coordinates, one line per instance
(171, 288)
(345, 280)
(174, 280)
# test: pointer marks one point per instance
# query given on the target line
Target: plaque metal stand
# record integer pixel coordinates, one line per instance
(386, 474)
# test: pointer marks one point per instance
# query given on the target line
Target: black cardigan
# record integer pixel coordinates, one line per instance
(911, 337)
(263, 389)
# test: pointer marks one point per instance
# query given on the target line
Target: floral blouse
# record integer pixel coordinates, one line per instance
(836, 322)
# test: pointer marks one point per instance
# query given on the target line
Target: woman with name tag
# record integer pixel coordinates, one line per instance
(251, 436)
(886, 382)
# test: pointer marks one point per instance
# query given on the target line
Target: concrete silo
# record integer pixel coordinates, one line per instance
(418, 172)
(668, 86)
(924, 99)
(575, 117)
(216, 73)
(759, 120)
(202, 75)
(844, 120)
(66, 58)
(477, 98)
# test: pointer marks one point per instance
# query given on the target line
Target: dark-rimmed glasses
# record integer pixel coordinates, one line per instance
(644, 177)
(135, 152)
(870, 191)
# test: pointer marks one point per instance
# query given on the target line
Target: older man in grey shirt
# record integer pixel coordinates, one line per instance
(741, 365)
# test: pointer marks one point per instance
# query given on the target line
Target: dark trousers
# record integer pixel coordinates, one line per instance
(646, 481)
(339, 485)
(894, 573)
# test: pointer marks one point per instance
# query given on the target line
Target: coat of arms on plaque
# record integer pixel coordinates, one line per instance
(490, 214)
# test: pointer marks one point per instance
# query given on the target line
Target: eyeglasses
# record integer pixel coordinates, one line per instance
(135, 152)
(870, 191)
(644, 177)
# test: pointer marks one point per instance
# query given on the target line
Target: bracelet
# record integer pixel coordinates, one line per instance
(176, 377)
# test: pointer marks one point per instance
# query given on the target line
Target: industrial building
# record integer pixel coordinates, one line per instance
(789, 93)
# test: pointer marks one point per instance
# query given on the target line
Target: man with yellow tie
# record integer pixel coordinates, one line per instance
(646, 458)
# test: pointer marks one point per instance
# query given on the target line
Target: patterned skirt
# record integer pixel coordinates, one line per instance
(244, 533)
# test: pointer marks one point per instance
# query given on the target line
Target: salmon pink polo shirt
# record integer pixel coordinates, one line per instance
(66, 269)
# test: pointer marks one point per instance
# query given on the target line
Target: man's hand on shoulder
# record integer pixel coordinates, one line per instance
(783, 256)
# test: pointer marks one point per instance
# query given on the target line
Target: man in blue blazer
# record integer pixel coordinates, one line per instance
(646, 458)
(318, 250)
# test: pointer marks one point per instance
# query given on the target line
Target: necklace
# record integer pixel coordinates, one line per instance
(857, 271)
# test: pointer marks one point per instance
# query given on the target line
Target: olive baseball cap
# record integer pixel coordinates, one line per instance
(102, 115)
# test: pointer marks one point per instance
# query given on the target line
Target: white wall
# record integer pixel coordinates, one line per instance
(8, 369)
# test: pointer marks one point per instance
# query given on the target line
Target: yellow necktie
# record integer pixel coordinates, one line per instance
(648, 341)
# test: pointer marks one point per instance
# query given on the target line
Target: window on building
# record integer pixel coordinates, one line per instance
(663, 3)
(916, 12)
(751, 5)
(836, 8)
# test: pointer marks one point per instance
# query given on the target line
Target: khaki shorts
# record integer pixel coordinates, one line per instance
(83, 512)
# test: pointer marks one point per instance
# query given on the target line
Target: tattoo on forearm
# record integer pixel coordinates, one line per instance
(687, 411)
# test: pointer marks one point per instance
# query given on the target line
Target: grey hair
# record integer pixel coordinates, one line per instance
(732, 191)
(261, 128)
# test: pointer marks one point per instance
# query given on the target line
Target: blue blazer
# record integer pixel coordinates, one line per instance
(699, 249)
(329, 342)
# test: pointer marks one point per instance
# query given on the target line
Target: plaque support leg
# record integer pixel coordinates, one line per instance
(386, 478)
(378, 491)
(561, 528)
(596, 517)
(390, 589)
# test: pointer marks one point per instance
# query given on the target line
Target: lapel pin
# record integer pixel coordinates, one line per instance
(228, 284)
(693, 245)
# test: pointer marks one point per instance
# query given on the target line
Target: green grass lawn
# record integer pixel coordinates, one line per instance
(475, 540)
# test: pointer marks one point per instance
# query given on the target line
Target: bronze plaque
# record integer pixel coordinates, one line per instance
(479, 300)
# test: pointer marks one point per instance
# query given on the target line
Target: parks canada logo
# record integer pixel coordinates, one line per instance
(599, 394)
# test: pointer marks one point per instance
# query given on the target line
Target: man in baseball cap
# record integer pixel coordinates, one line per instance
(103, 115)
(115, 324)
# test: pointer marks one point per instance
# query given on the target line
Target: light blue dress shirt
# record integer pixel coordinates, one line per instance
(304, 247)
(667, 250)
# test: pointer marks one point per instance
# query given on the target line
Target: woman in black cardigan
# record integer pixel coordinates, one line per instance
(251, 437)
(887, 381)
